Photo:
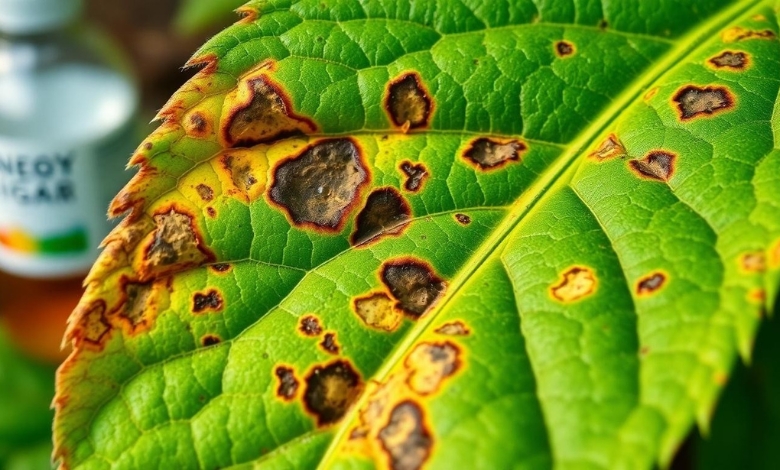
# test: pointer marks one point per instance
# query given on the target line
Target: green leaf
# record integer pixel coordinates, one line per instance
(440, 233)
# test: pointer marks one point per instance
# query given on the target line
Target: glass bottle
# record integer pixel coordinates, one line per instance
(67, 128)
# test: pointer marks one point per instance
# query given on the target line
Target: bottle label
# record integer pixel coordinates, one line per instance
(53, 204)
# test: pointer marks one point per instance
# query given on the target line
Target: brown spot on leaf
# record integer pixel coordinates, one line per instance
(197, 125)
(329, 343)
(210, 301)
(205, 192)
(136, 296)
(247, 14)
(210, 340)
(139, 303)
(693, 101)
(564, 49)
(321, 185)
(430, 364)
(266, 115)
(416, 174)
(386, 213)
(288, 383)
(148, 146)
(490, 154)
(377, 311)
(174, 244)
(408, 102)
(211, 212)
(94, 326)
(463, 219)
(413, 284)
(456, 328)
(331, 390)
(753, 262)
(656, 165)
(740, 34)
(576, 283)
(650, 284)
(240, 173)
(610, 148)
(310, 326)
(730, 60)
(405, 437)
(220, 268)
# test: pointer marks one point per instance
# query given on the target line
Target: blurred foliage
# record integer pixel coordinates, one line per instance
(196, 15)
(26, 391)
(746, 428)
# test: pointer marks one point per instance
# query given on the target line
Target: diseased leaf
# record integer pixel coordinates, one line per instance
(443, 233)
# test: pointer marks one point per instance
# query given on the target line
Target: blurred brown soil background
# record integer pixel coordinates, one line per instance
(144, 30)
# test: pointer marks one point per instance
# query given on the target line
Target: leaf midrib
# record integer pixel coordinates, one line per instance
(558, 175)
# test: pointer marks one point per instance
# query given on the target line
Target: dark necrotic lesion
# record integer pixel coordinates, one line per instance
(564, 48)
(321, 184)
(416, 174)
(211, 300)
(488, 153)
(414, 285)
(331, 390)
(730, 59)
(408, 103)
(657, 165)
(695, 101)
(386, 211)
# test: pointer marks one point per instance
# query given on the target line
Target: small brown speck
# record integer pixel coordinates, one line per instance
(564, 49)
(209, 301)
(288, 384)
(310, 326)
(329, 343)
(210, 340)
(456, 328)
(463, 219)
(650, 284)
